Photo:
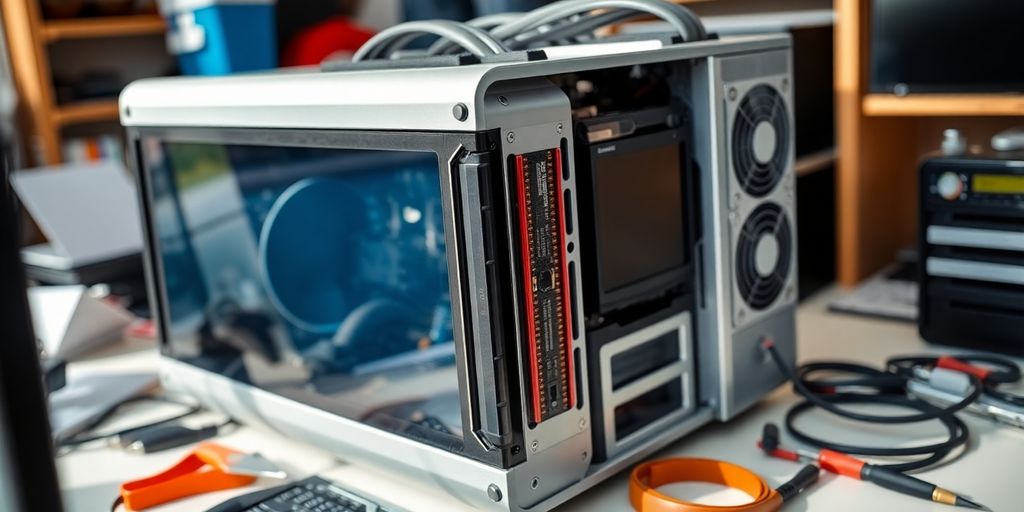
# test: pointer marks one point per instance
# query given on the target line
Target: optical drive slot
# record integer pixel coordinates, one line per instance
(996, 272)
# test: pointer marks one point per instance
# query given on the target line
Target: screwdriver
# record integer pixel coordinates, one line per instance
(845, 465)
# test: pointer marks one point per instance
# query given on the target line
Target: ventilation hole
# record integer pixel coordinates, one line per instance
(565, 158)
(574, 301)
(567, 206)
(577, 360)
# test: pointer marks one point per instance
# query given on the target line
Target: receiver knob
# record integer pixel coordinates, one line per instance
(950, 186)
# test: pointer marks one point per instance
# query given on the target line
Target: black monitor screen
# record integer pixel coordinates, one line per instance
(639, 214)
(933, 46)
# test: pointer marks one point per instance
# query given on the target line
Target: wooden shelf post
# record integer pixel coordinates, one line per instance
(31, 67)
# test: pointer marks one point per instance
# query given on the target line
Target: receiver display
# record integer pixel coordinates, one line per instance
(998, 184)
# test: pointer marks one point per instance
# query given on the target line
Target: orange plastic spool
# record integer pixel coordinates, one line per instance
(647, 477)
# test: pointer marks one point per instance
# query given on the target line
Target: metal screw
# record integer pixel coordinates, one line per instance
(785, 84)
(494, 493)
(732, 94)
(533, 446)
(559, 127)
(583, 423)
(503, 100)
(736, 200)
(460, 111)
(535, 483)
(511, 137)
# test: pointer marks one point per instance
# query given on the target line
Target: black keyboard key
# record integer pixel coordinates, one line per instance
(313, 494)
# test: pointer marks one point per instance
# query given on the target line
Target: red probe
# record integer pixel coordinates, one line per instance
(842, 464)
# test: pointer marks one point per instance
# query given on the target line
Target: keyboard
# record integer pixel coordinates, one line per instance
(314, 494)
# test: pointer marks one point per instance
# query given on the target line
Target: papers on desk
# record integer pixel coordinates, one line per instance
(70, 322)
(88, 213)
(89, 395)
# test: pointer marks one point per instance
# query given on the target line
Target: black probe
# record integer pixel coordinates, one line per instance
(852, 467)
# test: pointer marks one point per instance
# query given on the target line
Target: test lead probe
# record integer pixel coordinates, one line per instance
(842, 464)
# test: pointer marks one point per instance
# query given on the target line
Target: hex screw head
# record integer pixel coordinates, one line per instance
(494, 493)
(583, 423)
(559, 127)
(533, 446)
(732, 94)
(460, 111)
(511, 137)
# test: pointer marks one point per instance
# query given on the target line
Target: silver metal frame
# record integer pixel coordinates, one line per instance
(727, 337)
(741, 204)
(534, 115)
(423, 100)
(681, 370)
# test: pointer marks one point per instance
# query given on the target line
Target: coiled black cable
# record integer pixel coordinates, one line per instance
(875, 387)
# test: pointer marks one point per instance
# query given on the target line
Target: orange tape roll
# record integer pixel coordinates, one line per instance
(647, 477)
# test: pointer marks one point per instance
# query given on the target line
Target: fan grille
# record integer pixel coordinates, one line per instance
(759, 290)
(762, 104)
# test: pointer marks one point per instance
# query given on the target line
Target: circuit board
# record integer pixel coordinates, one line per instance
(542, 241)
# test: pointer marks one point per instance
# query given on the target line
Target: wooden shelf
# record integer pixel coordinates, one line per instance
(111, 26)
(878, 105)
(91, 111)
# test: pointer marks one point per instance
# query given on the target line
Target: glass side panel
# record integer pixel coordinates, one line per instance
(317, 274)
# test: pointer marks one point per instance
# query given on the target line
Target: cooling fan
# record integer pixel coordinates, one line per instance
(763, 255)
(760, 140)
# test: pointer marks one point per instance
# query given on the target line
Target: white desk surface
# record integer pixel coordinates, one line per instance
(991, 470)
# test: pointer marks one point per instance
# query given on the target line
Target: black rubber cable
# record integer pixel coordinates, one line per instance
(880, 388)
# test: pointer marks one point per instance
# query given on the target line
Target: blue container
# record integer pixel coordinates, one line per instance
(217, 37)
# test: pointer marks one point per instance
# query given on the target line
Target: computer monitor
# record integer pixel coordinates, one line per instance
(28, 477)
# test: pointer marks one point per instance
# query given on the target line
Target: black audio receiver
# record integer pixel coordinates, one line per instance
(972, 251)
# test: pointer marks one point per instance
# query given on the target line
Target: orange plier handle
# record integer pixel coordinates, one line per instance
(206, 469)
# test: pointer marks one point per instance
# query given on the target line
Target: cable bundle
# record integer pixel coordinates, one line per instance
(865, 385)
(564, 22)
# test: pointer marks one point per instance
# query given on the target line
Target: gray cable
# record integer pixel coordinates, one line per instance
(483, 23)
(472, 39)
(570, 30)
(558, 22)
(494, 20)
(398, 43)
(682, 19)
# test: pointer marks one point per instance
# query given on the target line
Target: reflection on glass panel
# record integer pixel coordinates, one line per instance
(318, 274)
